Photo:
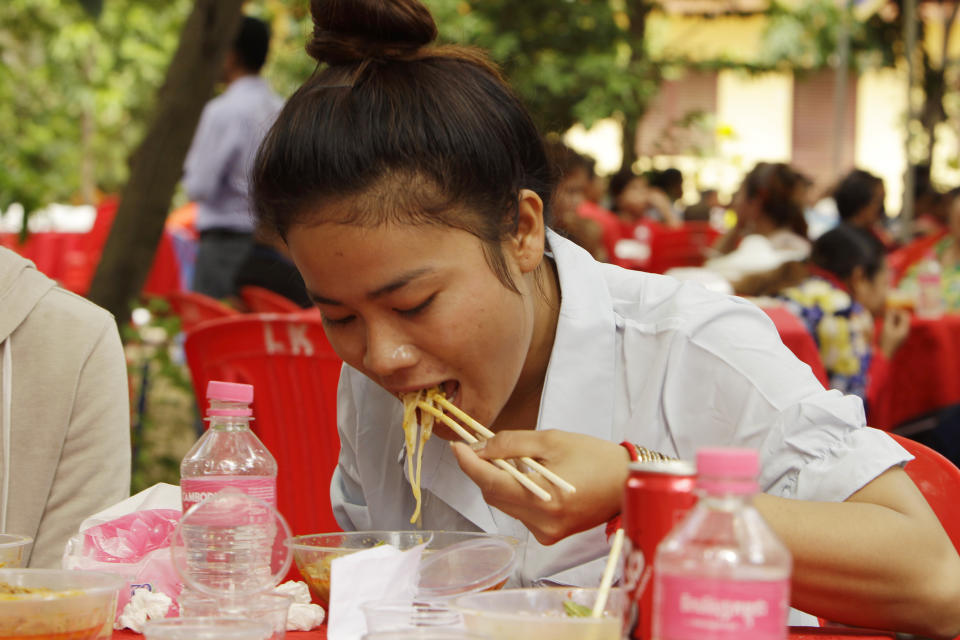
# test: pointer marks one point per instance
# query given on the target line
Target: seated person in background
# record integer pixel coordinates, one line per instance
(669, 182)
(859, 198)
(64, 409)
(268, 265)
(837, 293)
(703, 210)
(573, 177)
(634, 201)
(947, 253)
(767, 204)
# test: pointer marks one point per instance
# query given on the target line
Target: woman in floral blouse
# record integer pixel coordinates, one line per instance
(837, 293)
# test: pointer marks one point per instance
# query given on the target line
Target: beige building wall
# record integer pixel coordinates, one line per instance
(881, 113)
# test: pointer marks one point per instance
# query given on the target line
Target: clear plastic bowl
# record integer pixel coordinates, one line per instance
(425, 634)
(392, 615)
(206, 628)
(266, 607)
(538, 614)
(488, 564)
(80, 605)
(13, 550)
(315, 553)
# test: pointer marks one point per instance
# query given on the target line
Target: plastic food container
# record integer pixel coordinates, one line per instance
(315, 553)
(13, 550)
(265, 607)
(392, 615)
(477, 560)
(206, 628)
(53, 603)
(538, 614)
(425, 634)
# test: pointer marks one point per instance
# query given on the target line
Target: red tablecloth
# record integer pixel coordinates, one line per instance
(924, 373)
(796, 633)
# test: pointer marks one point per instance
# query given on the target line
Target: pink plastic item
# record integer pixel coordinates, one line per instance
(728, 470)
(230, 391)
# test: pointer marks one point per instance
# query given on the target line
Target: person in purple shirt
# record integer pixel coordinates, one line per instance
(215, 172)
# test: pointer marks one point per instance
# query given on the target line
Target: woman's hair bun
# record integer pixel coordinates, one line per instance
(346, 31)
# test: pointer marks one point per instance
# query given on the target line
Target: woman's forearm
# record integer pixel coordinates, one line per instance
(877, 560)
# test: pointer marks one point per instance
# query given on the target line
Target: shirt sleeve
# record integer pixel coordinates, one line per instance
(215, 146)
(94, 468)
(752, 391)
(346, 493)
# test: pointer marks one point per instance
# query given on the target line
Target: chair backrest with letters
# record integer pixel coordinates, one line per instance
(196, 308)
(294, 372)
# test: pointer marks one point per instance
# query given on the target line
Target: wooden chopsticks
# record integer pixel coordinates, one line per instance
(487, 433)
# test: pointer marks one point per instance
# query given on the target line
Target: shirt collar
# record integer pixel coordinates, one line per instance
(579, 386)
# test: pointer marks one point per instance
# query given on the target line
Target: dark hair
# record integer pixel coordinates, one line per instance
(776, 185)
(839, 251)
(857, 189)
(666, 179)
(564, 160)
(395, 129)
(844, 248)
(252, 43)
(619, 182)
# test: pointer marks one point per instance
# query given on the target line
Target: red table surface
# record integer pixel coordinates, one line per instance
(924, 372)
(796, 633)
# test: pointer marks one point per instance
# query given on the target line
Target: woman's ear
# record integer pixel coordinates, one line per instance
(529, 240)
(858, 278)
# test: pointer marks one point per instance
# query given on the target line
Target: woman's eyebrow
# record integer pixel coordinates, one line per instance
(395, 284)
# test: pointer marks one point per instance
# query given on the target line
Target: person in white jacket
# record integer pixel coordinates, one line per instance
(413, 191)
(64, 410)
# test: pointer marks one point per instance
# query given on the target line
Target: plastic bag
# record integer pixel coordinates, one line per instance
(132, 538)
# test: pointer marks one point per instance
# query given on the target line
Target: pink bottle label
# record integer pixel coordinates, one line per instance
(710, 609)
(194, 490)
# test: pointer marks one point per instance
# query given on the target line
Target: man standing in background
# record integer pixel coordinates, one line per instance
(220, 157)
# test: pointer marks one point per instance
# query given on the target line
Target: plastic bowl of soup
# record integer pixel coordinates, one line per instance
(53, 604)
(13, 550)
(447, 574)
(543, 614)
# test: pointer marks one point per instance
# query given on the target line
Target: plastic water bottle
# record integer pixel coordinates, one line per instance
(229, 454)
(722, 573)
(929, 287)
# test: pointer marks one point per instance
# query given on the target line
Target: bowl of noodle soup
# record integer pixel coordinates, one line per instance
(53, 604)
(468, 552)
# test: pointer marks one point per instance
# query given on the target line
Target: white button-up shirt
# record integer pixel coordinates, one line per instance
(637, 357)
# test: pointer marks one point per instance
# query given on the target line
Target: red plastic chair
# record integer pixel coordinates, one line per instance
(939, 481)
(899, 261)
(295, 373)
(683, 247)
(260, 300)
(196, 308)
(796, 337)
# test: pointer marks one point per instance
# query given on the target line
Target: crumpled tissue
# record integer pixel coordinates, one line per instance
(132, 538)
(144, 605)
(303, 615)
(380, 573)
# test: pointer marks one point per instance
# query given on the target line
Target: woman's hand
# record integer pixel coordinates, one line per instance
(597, 468)
(896, 328)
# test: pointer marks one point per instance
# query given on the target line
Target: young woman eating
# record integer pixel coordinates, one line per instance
(412, 189)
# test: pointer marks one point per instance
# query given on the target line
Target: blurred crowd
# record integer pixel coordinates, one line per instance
(835, 258)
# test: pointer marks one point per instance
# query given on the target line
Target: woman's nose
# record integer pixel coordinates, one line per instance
(387, 352)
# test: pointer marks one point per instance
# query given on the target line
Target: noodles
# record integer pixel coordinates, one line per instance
(416, 433)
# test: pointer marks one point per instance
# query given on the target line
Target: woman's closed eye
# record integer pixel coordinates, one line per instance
(336, 322)
(417, 309)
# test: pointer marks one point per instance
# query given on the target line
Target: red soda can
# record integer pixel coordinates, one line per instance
(658, 494)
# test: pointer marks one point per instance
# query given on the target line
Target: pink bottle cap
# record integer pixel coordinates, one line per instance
(229, 391)
(728, 469)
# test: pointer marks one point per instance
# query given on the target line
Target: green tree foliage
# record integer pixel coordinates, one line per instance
(75, 93)
(569, 60)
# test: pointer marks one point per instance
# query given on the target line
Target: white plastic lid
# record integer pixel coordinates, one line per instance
(466, 567)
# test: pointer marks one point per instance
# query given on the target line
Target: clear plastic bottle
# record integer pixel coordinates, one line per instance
(229, 454)
(722, 573)
(929, 287)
